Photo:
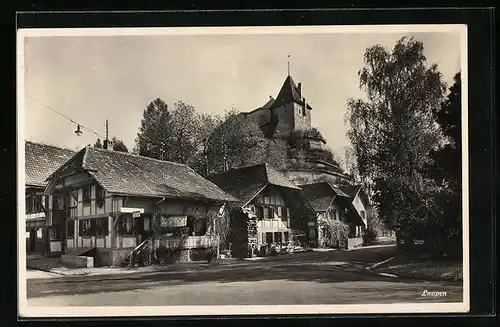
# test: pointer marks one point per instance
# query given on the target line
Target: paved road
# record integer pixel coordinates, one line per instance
(320, 279)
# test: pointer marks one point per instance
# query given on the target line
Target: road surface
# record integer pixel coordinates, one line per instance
(326, 278)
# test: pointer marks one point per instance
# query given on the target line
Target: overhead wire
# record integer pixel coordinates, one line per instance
(66, 117)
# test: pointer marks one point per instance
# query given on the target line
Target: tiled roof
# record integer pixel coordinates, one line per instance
(42, 160)
(321, 194)
(130, 174)
(351, 190)
(245, 183)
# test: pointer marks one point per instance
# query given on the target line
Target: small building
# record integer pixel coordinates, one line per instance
(347, 204)
(113, 204)
(41, 160)
(271, 209)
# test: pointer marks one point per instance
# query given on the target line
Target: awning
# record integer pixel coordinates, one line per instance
(131, 210)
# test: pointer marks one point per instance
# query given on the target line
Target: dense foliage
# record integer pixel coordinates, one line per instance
(393, 132)
(336, 233)
(240, 142)
(116, 144)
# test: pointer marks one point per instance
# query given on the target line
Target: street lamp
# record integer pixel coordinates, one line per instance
(78, 131)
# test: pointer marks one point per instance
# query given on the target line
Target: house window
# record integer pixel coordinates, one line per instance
(127, 226)
(259, 211)
(101, 226)
(99, 195)
(199, 226)
(269, 237)
(70, 229)
(284, 212)
(29, 203)
(280, 212)
(270, 212)
(87, 194)
(286, 236)
(55, 202)
(54, 233)
(277, 237)
(86, 229)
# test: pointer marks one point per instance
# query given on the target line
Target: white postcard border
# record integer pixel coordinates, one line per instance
(97, 311)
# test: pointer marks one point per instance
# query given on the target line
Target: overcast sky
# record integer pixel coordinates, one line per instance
(90, 78)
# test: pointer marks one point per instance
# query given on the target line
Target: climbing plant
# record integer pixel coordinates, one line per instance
(218, 229)
(336, 233)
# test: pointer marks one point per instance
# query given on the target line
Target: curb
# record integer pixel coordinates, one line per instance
(52, 271)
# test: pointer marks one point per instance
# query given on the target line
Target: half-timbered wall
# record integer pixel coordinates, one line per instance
(273, 214)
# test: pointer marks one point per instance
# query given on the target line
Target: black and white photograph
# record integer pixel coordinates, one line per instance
(242, 170)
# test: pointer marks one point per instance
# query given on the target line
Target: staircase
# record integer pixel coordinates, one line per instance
(141, 249)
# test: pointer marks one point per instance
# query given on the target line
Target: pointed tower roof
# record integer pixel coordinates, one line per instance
(289, 92)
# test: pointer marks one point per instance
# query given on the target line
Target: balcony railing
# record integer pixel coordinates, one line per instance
(187, 242)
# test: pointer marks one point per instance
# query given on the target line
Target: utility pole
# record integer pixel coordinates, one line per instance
(106, 141)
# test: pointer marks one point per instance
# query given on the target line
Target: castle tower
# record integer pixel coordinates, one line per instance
(288, 112)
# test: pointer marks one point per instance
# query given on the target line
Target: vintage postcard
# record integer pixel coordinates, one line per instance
(242, 170)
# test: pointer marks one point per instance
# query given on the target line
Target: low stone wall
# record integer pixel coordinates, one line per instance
(354, 242)
(78, 261)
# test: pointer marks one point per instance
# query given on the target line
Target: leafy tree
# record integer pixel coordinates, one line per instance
(239, 142)
(446, 168)
(153, 132)
(374, 225)
(172, 135)
(393, 132)
(98, 143)
(118, 145)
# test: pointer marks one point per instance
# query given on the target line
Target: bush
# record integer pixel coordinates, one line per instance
(370, 236)
(336, 233)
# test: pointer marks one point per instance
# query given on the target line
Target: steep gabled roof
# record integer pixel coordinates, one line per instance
(245, 183)
(41, 160)
(351, 190)
(289, 92)
(322, 194)
(130, 174)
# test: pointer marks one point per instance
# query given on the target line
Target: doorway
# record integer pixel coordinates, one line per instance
(31, 240)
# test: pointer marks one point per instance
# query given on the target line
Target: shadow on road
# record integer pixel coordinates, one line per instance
(308, 272)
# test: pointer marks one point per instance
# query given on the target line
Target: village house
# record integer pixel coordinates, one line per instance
(111, 205)
(273, 209)
(41, 160)
(347, 204)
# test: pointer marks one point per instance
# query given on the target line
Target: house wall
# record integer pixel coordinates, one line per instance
(334, 212)
(75, 209)
(276, 221)
(360, 207)
(36, 231)
(302, 117)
